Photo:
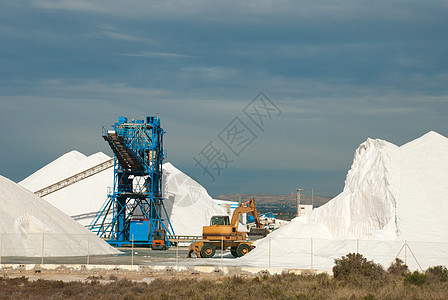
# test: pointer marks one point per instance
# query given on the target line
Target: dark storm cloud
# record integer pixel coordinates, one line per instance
(340, 71)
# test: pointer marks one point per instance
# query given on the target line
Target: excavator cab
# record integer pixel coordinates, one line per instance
(219, 220)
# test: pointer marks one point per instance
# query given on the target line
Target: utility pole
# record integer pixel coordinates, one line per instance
(312, 198)
(298, 202)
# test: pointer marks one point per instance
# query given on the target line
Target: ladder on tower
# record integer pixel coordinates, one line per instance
(75, 178)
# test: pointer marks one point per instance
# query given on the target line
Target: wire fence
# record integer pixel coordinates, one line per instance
(320, 254)
(48, 248)
(271, 252)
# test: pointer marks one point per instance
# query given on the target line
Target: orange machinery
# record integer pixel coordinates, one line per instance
(224, 233)
(159, 240)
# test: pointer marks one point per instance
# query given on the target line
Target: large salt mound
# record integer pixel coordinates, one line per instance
(391, 195)
(27, 223)
(81, 198)
(188, 204)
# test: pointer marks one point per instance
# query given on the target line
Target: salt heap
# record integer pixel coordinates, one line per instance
(188, 204)
(392, 194)
(83, 198)
(30, 226)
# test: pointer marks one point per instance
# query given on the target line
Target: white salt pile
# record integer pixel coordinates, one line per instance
(81, 198)
(188, 204)
(392, 195)
(30, 226)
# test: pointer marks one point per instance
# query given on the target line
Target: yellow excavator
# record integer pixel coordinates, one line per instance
(224, 233)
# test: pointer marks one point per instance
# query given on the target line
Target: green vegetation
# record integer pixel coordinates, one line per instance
(356, 269)
(398, 268)
(415, 278)
(437, 274)
(355, 278)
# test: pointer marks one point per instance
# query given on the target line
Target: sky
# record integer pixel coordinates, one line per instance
(254, 96)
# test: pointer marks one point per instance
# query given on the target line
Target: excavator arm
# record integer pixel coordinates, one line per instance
(227, 235)
(243, 208)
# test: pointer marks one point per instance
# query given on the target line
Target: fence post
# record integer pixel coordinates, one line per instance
(132, 254)
(405, 252)
(222, 252)
(88, 248)
(43, 245)
(311, 252)
(1, 247)
(357, 246)
(269, 264)
(177, 253)
(414, 257)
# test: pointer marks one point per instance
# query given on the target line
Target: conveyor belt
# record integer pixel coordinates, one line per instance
(124, 155)
(75, 178)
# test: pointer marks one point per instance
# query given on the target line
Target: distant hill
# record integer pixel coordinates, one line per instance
(284, 206)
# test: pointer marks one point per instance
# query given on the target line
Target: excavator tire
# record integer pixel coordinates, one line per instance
(208, 250)
(242, 249)
(233, 251)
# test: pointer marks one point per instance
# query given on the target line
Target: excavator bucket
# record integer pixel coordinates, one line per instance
(189, 252)
(258, 232)
(194, 248)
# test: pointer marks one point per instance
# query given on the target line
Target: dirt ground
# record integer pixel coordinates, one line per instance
(139, 265)
(106, 276)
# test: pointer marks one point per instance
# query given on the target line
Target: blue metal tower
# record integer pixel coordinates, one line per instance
(135, 208)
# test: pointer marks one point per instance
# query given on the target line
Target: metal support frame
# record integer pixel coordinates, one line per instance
(137, 192)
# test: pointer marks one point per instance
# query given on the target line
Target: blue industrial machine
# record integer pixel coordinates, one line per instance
(250, 218)
(135, 210)
(139, 230)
